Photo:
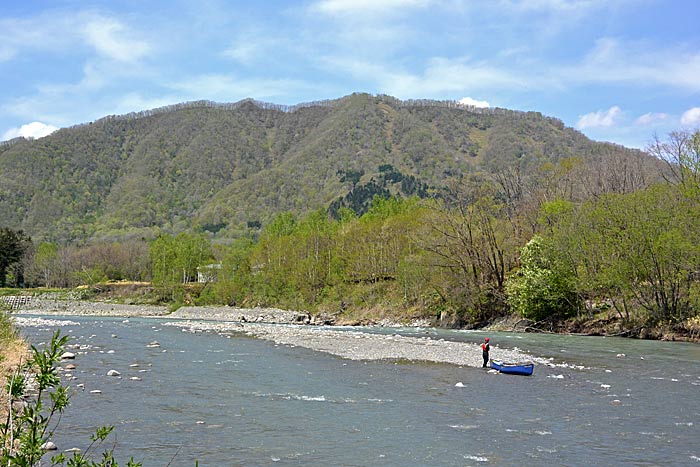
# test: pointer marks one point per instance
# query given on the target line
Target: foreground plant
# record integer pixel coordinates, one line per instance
(32, 419)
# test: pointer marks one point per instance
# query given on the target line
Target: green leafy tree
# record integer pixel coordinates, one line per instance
(313, 268)
(543, 287)
(234, 282)
(193, 250)
(174, 260)
(277, 258)
(641, 250)
(635, 253)
(371, 247)
(13, 244)
(46, 262)
(162, 255)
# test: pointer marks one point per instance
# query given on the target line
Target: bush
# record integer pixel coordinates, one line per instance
(7, 330)
(542, 287)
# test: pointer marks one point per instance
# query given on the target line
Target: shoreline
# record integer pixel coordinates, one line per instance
(290, 328)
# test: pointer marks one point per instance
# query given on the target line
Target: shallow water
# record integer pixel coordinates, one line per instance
(227, 400)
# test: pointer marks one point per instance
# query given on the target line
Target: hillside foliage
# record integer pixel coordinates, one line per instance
(226, 169)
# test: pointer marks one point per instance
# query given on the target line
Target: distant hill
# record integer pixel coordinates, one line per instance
(226, 168)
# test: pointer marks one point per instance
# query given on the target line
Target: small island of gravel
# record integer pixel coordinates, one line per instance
(286, 327)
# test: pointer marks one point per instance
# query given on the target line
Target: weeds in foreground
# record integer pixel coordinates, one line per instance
(7, 329)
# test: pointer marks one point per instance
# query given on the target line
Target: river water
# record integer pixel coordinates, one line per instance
(230, 400)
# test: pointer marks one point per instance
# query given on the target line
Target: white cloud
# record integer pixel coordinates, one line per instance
(67, 33)
(243, 53)
(109, 38)
(601, 118)
(566, 6)
(42, 32)
(691, 117)
(135, 102)
(613, 61)
(650, 117)
(228, 88)
(333, 7)
(6, 53)
(474, 102)
(439, 77)
(255, 45)
(30, 130)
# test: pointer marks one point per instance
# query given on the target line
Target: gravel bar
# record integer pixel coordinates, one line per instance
(358, 345)
(276, 325)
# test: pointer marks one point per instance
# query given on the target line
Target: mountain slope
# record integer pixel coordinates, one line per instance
(223, 167)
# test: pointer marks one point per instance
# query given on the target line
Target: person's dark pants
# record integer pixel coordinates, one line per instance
(486, 359)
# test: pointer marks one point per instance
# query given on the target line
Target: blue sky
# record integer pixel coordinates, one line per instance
(617, 70)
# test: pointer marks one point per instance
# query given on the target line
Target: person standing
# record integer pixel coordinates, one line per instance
(485, 347)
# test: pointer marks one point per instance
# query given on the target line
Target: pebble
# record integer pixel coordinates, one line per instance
(356, 345)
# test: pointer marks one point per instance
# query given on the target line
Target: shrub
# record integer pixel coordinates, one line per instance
(543, 286)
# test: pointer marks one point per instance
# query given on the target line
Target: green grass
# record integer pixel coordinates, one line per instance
(8, 332)
(5, 291)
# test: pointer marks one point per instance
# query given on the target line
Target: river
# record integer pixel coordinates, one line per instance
(231, 400)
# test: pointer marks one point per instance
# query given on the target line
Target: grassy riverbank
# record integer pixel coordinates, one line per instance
(13, 352)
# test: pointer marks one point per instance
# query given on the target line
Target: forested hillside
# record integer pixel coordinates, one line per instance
(228, 169)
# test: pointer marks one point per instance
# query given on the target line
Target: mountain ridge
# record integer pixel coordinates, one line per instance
(201, 164)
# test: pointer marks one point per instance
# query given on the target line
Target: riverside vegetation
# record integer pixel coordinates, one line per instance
(425, 210)
(618, 263)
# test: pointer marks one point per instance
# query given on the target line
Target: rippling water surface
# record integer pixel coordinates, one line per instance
(236, 401)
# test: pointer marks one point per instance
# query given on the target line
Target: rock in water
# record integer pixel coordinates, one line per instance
(113, 373)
